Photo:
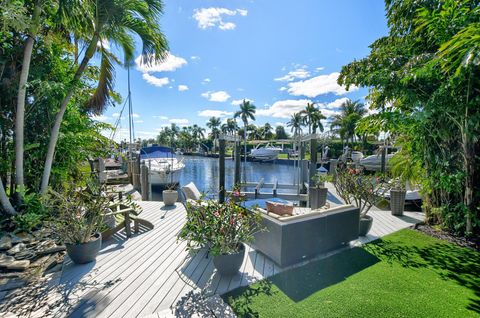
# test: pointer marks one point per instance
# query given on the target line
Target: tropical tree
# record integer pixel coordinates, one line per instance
(295, 123)
(313, 118)
(95, 22)
(246, 112)
(214, 125)
(266, 131)
(230, 127)
(426, 70)
(280, 133)
(346, 122)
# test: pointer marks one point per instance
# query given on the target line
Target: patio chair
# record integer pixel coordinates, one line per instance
(191, 192)
(129, 214)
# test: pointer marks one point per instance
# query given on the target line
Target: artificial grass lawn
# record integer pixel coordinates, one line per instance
(405, 274)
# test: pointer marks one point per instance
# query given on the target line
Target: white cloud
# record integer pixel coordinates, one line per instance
(219, 96)
(214, 113)
(284, 108)
(160, 117)
(319, 85)
(116, 115)
(179, 121)
(135, 115)
(206, 80)
(237, 102)
(138, 121)
(299, 73)
(155, 81)
(169, 64)
(335, 104)
(280, 124)
(227, 26)
(194, 57)
(100, 118)
(321, 68)
(214, 17)
(283, 88)
(182, 88)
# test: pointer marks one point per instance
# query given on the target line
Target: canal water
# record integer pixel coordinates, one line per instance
(204, 172)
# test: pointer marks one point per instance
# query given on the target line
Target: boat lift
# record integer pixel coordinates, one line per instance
(302, 178)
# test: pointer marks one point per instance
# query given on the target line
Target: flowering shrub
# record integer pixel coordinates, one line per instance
(358, 189)
(221, 227)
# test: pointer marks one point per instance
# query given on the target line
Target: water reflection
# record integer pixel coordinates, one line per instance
(204, 172)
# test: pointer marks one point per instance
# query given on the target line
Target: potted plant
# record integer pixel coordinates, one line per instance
(223, 228)
(170, 194)
(79, 216)
(318, 192)
(360, 190)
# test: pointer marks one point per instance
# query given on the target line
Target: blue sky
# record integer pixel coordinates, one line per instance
(279, 54)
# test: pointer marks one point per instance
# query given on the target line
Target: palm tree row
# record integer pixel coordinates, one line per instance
(311, 117)
(346, 122)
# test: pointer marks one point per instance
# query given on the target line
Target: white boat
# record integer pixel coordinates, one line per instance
(266, 153)
(374, 162)
(349, 155)
(165, 167)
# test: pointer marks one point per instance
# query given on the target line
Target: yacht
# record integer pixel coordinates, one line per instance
(266, 153)
(165, 167)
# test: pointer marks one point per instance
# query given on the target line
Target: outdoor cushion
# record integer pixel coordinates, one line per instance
(191, 191)
(279, 208)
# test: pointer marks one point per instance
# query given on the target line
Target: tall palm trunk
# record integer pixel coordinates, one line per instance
(63, 107)
(22, 92)
(245, 142)
(6, 205)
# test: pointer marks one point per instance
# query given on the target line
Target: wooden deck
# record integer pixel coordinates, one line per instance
(151, 271)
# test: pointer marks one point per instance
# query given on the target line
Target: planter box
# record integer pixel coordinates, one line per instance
(290, 240)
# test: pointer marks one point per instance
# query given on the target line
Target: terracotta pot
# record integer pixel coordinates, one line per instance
(229, 264)
(170, 197)
(86, 252)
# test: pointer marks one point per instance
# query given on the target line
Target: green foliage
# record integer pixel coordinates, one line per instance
(319, 179)
(358, 189)
(219, 226)
(33, 212)
(424, 80)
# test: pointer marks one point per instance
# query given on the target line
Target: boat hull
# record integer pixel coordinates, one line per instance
(161, 178)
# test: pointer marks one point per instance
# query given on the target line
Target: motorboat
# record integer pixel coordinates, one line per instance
(266, 153)
(374, 162)
(164, 165)
(349, 155)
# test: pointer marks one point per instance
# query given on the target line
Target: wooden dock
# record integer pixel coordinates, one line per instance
(151, 271)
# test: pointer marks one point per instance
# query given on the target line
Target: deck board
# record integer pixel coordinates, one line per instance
(152, 271)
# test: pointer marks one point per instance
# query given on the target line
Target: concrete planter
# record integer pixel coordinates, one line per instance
(170, 197)
(86, 252)
(365, 225)
(318, 197)
(397, 201)
(229, 264)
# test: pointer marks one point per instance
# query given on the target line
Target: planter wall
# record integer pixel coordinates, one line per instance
(397, 201)
(86, 252)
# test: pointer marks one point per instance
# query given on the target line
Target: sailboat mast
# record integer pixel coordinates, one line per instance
(130, 116)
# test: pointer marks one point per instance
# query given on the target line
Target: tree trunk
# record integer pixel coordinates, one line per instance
(63, 107)
(22, 92)
(245, 143)
(6, 205)
(469, 167)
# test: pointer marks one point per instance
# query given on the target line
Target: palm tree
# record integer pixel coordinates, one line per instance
(214, 123)
(232, 126)
(346, 121)
(313, 118)
(173, 131)
(118, 22)
(296, 122)
(247, 111)
(267, 131)
(198, 132)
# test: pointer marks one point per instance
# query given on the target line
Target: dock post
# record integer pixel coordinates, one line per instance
(144, 182)
(238, 159)
(221, 160)
(136, 174)
(313, 160)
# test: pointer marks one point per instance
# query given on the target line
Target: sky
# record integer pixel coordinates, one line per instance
(278, 54)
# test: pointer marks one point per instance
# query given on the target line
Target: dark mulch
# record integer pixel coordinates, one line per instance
(472, 242)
